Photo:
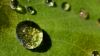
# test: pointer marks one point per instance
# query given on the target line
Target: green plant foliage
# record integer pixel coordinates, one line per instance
(70, 35)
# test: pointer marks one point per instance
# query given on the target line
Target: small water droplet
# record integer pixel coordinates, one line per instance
(95, 53)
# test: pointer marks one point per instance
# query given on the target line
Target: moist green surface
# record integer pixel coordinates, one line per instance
(70, 35)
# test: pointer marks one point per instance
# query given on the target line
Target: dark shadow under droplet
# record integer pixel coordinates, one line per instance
(98, 20)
